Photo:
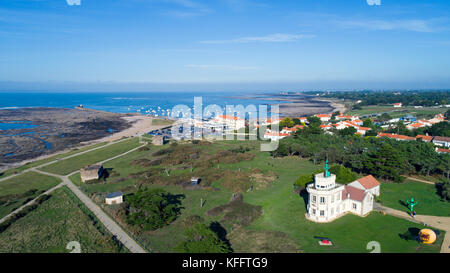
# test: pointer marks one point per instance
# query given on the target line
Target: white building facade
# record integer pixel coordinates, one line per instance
(328, 200)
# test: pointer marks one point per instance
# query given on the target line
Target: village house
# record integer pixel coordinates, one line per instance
(114, 198)
(442, 151)
(303, 120)
(328, 200)
(271, 121)
(324, 117)
(397, 105)
(275, 136)
(344, 117)
(425, 138)
(395, 136)
(441, 141)
(416, 125)
(231, 122)
(92, 172)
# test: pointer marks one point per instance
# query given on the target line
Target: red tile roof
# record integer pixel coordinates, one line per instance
(425, 138)
(323, 116)
(442, 150)
(354, 193)
(416, 125)
(229, 117)
(276, 134)
(394, 136)
(368, 182)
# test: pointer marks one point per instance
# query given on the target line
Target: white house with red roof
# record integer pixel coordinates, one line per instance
(275, 136)
(232, 122)
(397, 105)
(323, 117)
(329, 200)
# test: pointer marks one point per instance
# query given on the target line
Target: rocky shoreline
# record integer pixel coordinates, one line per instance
(52, 130)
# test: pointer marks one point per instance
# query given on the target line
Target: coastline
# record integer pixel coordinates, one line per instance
(298, 105)
(139, 124)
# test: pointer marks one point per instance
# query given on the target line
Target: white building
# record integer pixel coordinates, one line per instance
(441, 141)
(231, 122)
(324, 117)
(275, 136)
(329, 200)
(397, 105)
(114, 198)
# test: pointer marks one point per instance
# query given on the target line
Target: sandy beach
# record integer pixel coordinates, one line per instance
(139, 125)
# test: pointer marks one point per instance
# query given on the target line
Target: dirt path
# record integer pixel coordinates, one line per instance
(109, 223)
(442, 223)
(420, 180)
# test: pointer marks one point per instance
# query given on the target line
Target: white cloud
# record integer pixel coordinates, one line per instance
(221, 67)
(408, 25)
(273, 38)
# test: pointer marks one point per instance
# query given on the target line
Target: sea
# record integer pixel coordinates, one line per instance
(153, 103)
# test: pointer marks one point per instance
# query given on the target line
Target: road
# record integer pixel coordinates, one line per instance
(109, 223)
(420, 180)
(442, 223)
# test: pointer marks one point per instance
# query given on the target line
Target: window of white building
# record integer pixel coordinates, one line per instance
(322, 200)
(322, 213)
(332, 199)
(354, 206)
(314, 199)
(314, 211)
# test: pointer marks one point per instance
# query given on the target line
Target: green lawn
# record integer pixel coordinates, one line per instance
(70, 165)
(159, 122)
(49, 159)
(56, 222)
(398, 112)
(14, 190)
(282, 223)
(284, 211)
(429, 202)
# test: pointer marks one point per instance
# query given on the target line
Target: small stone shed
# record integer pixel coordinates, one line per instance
(114, 198)
(91, 172)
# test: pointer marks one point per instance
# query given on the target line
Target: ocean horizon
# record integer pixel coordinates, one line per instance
(129, 102)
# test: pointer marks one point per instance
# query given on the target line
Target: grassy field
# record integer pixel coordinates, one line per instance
(429, 202)
(398, 112)
(282, 227)
(56, 222)
(49, 159)
(18, 190)
(162, 122)
(67, 166)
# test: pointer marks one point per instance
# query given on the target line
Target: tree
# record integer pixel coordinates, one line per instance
(201, 239)
(343, 175)
(445, 190)
(314, 121)
(296, 121)
(439, 129)
(348, 131)
(287, 122)
(385, 117)
(152, 208)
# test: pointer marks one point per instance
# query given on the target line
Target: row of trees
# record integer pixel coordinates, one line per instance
(413, 98)
(384, 158)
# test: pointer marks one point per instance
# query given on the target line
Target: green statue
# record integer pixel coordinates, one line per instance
(327, 169)
(411, 203)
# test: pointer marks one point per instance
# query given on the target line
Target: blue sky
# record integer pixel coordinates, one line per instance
(219, 45)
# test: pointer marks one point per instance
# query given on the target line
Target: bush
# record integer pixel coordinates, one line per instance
(152, 208)
(343, 175)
